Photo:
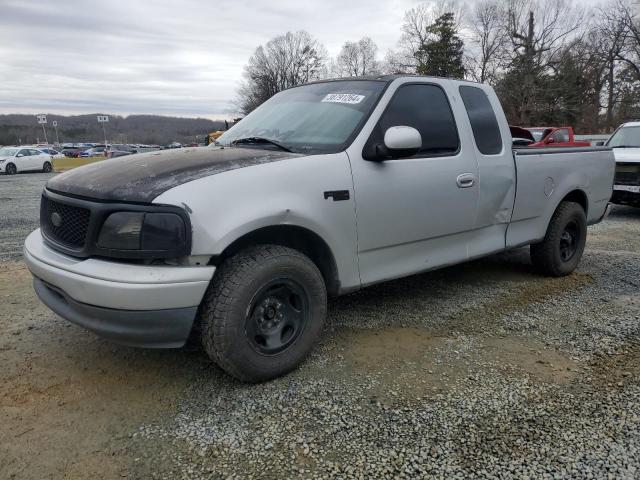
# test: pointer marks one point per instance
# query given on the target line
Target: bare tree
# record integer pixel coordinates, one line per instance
(612, 32)
(630, 13)
(285, 61)
(489, 37)
(357, 59)
(538, 31)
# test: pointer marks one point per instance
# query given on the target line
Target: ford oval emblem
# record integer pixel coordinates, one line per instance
(56, 219)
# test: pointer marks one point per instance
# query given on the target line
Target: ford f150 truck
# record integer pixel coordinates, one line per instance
(324, 189)
(555, 137)
(625, 143)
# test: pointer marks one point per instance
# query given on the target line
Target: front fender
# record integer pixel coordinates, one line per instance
(229, 205)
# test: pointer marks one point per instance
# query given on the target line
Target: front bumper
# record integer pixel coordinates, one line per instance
(626, 195)
(138, 305)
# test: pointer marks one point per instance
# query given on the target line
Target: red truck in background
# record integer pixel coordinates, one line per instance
(555, 137)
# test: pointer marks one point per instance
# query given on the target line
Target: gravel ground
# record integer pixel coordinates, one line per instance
(484, 370)
(19, 203)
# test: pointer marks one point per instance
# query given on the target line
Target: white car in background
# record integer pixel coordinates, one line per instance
(51, 151)
(24, 159)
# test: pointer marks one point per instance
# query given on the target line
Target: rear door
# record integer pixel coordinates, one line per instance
(496, 169)
(415, 213)
(38, 158)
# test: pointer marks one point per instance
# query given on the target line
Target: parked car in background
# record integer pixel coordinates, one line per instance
(555, 137)
(50, 151)
(324, 189)
(118, 150)
(97, 151)
(521, 137)
(74, 151)
(20, 159)
(625, 143)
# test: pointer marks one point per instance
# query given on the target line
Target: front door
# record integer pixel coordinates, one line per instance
(415, 213)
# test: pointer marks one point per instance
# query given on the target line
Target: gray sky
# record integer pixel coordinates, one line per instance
(181, 57)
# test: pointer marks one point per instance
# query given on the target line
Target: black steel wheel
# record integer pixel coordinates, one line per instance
(561, 250)
(263, 312)
(277, 316)
(10, 169)
(569, 240)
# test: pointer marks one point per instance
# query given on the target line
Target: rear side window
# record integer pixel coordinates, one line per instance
(484, 124)
(425, 108)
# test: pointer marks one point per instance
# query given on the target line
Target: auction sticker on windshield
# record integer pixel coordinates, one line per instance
(350, 98)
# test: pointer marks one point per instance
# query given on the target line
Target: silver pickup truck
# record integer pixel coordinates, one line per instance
(324, 189)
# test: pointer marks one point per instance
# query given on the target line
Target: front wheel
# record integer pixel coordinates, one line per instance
(263, 312)
(11, 169)
(561, 250)
(46, 168)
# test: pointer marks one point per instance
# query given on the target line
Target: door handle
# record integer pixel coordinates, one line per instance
(466, 180)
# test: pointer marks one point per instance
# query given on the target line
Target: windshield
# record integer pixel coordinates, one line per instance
(316, 118)
(8, 152)
(625, 137)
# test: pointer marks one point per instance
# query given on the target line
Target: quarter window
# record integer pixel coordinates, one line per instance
(484, 124)
(425, 108)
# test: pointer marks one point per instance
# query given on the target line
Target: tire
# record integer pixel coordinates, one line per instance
(561, 250)
(46, 168)
(263, 312)
(10, 169)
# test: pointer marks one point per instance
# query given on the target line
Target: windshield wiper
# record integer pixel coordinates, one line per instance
(258, 140)
(626, 146)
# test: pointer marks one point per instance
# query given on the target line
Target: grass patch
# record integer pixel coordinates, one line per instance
(62, 164)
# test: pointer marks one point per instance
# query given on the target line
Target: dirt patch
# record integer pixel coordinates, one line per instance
(413, 362)
(523, 295)
(68, 400)
(618, 369)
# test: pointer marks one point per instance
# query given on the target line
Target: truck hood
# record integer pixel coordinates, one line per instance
(142, 177)
(627, 155)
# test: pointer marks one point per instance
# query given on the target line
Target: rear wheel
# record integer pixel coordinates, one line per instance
(263, 312)
(561, 250)
(11, 169)
(46, 168)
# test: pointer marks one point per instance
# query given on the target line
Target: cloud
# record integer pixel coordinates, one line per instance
(165, 57)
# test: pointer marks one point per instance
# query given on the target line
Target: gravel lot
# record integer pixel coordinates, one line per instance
(483, 370)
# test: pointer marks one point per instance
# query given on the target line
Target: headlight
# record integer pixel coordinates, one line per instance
(2, 160)
(158, 235)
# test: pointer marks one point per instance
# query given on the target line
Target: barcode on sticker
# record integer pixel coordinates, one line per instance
(350, 98)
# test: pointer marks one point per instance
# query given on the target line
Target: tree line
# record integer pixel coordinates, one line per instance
(551, 62)
(148, 129)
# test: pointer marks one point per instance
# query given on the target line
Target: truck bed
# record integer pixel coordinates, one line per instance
(544, 177)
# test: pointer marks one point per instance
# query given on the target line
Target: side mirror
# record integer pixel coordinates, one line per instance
(550, 140)
(19, 155)
(402, 141)
(600, 143)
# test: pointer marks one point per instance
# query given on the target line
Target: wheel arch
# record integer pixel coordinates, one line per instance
(578, 196)
(299, 238)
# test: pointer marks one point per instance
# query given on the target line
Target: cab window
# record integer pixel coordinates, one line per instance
(561, 135)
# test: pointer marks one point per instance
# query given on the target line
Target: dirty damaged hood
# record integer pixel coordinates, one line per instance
(142, 177)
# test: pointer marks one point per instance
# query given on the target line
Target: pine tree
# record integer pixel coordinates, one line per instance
(442, 55)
